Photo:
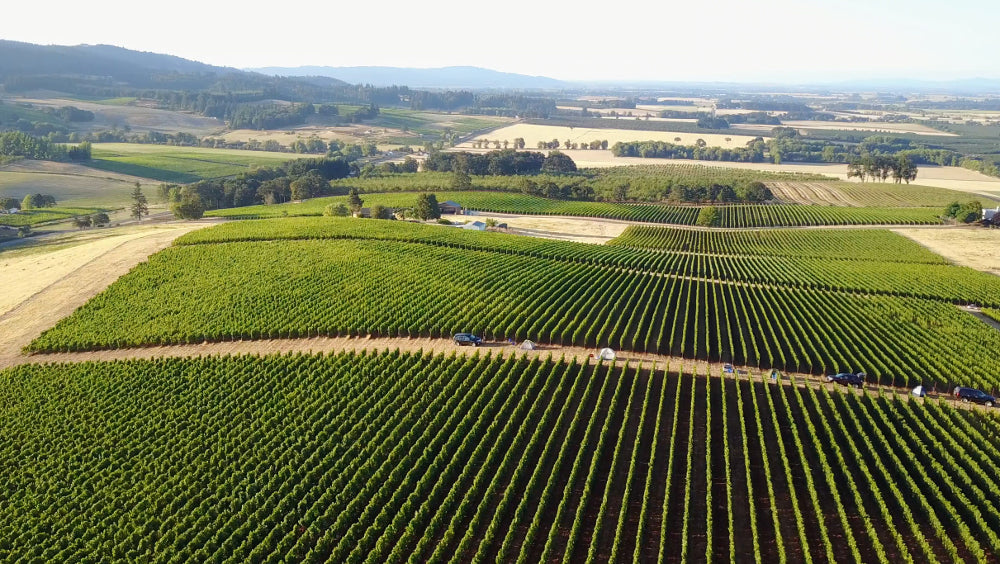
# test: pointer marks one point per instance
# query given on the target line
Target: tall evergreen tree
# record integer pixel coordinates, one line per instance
(140, 206)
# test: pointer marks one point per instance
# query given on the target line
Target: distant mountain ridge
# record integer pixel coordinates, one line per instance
(106, 70)
(101, 60)
(441, 77)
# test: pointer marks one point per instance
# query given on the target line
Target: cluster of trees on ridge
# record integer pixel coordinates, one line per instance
(99, 219)
(569, 144)
(29, 202)
(19, 144)
(506, 162)
(555, 176)
(426, 207)
(294, 180)
(752, 153)
(880, 167)
(969, 212)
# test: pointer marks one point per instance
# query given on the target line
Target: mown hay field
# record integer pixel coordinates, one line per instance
(532, 134)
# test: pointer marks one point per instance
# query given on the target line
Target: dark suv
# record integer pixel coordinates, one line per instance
(467, 339)
(975, 396)
(848, 379)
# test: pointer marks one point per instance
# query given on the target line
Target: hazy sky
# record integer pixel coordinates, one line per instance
(738, 40)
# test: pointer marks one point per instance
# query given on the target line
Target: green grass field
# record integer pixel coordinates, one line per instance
(179, 164)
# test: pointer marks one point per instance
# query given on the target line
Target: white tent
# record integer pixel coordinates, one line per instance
(918, 391)
(606, 354)
(527, 346)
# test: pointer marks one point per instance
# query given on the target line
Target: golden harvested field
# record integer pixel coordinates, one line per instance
(137, 117)
(974, 247)
(532, 134)
(349, 133)
(637, 111)
(581, 230)
(675, 120)
(951, 177)
(641, 110)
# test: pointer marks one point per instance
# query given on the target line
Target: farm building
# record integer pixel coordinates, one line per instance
(475, 226)
(450, 207)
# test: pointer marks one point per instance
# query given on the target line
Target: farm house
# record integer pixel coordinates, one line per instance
(450, 207)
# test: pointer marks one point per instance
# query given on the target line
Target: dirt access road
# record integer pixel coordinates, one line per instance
(40, 287)
(329, 345)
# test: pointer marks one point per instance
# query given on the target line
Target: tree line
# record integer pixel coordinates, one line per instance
(506, 162)
(881, 167)
(569, 144)
(752, 153)
(624, 185)
(20, 144)
(786, 145)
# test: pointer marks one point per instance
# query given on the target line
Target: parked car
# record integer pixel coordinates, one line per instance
(975, 396)
(848, 379)
(728, 368)
(462, 339)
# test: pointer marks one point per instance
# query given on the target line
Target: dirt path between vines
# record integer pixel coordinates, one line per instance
(50, 286)
(329, 345)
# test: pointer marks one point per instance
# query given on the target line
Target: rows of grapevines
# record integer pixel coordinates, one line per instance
(993, 314)
(869, 244)
(506, 202)
(374, 457)
(295, 289)
(937, 281)
(799, 216)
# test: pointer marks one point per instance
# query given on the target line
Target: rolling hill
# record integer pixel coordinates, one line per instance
(443, 77)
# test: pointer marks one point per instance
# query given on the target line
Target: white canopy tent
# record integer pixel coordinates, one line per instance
(606, 354)
(527, 346)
